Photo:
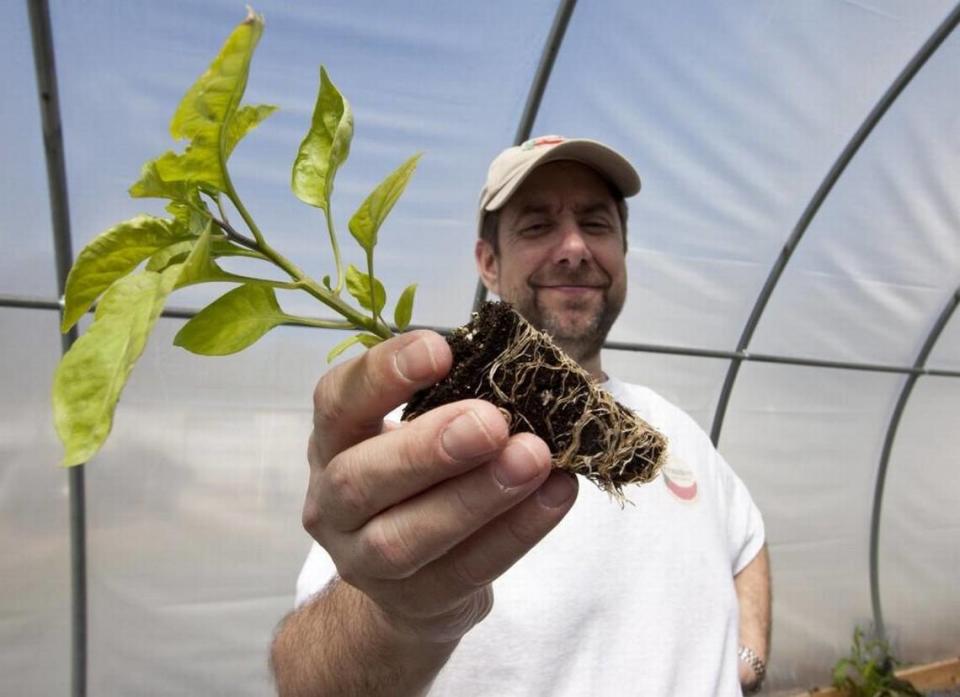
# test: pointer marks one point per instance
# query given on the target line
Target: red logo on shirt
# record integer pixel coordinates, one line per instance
(680, 480)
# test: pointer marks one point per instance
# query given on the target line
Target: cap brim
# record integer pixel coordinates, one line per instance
(605, 161)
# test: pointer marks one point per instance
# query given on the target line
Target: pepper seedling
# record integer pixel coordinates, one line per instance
(130, 270)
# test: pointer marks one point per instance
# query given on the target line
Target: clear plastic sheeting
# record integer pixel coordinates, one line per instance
(946, 353)
(920, 527)
(34, 530)
(24, 206)
(731, 144)
(807, 443)
(193, 515)
(733, 112)
(881, 259)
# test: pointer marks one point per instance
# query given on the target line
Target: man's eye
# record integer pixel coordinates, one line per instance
(596, 226)
(533, 229)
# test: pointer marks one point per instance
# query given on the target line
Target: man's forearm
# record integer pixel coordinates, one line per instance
(339, 645)
(753, 595)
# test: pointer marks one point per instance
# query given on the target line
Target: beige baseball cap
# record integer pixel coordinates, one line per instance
(511, 167)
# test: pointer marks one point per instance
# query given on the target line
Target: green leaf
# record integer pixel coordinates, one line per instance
(222, 247)
(326, 283)
(174, 254)
(207, 110)
(92, 374)
(245, 120)
(404, 309)
(324, 148)
(368, 340)
(341, 347)
(358, 285)
(370, 216)
(199, 266)
(232, 322)
(151, 185)
(111, 255)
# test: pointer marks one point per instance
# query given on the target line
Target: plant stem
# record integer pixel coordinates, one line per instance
(331, 300)
(336, 249)
(328, 298)
(374, 312)
(235, 236)
(322, 323)
(238, 204)
(239, 278)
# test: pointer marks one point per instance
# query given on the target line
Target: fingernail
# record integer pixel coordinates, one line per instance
(415, 361)
(557, 490)
(517, 465)
(467, 437)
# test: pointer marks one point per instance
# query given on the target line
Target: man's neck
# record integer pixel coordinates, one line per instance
(592, 366)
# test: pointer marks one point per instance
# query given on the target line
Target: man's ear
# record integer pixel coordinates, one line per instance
(488, 265)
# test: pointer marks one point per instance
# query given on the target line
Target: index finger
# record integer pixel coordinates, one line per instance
(350, 400)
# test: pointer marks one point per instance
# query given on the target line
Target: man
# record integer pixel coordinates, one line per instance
(418, 524)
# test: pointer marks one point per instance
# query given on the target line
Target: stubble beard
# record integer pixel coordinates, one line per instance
(580, 338)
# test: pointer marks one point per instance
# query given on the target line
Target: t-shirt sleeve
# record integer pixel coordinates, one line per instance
(745, 530)
(316, 572)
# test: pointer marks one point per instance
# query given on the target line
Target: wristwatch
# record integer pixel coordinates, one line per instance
(759, 668)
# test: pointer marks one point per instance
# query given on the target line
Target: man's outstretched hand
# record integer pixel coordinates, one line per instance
(421, 518)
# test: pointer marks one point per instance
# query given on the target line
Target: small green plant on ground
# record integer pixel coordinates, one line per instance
(869, 670)
(182, 250)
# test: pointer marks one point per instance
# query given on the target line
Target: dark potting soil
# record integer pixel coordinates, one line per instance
(500, 358)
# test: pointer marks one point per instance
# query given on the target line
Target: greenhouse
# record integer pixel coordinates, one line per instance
(793, 258)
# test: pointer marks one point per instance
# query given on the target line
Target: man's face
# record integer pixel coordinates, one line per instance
(561, 261)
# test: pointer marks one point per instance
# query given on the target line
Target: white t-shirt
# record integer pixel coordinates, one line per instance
(616, 602)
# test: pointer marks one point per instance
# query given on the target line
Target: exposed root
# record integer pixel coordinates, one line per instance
(503, 359)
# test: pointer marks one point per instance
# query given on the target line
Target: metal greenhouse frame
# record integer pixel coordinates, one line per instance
(46, 75)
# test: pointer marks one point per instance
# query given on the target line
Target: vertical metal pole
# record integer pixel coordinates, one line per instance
(42, 37)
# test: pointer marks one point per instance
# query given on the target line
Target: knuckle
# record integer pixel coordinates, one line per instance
(470, 509)
(310, 518)
(328, 405)
(393, 554)
(466, 576)
(524, 532)
(351, 496)
(350, 574)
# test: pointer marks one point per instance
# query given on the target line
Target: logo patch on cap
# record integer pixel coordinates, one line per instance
(542, 140)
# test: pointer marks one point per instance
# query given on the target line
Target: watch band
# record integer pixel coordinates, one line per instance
(757, 665)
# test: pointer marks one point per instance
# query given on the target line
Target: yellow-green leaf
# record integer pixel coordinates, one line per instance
(92, 374)
(199, 267)
(369, 340)
(174, 254)
(403, 312)
(358, 285)
(370, 216)
(205, 113)
(324, 148)
(341, 347)
(245, 120)
(111, 255)
(232, 322)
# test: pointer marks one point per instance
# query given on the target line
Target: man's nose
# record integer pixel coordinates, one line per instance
(572, 247)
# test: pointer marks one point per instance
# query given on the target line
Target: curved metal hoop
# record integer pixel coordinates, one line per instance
(873, 118)
(905, 392)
